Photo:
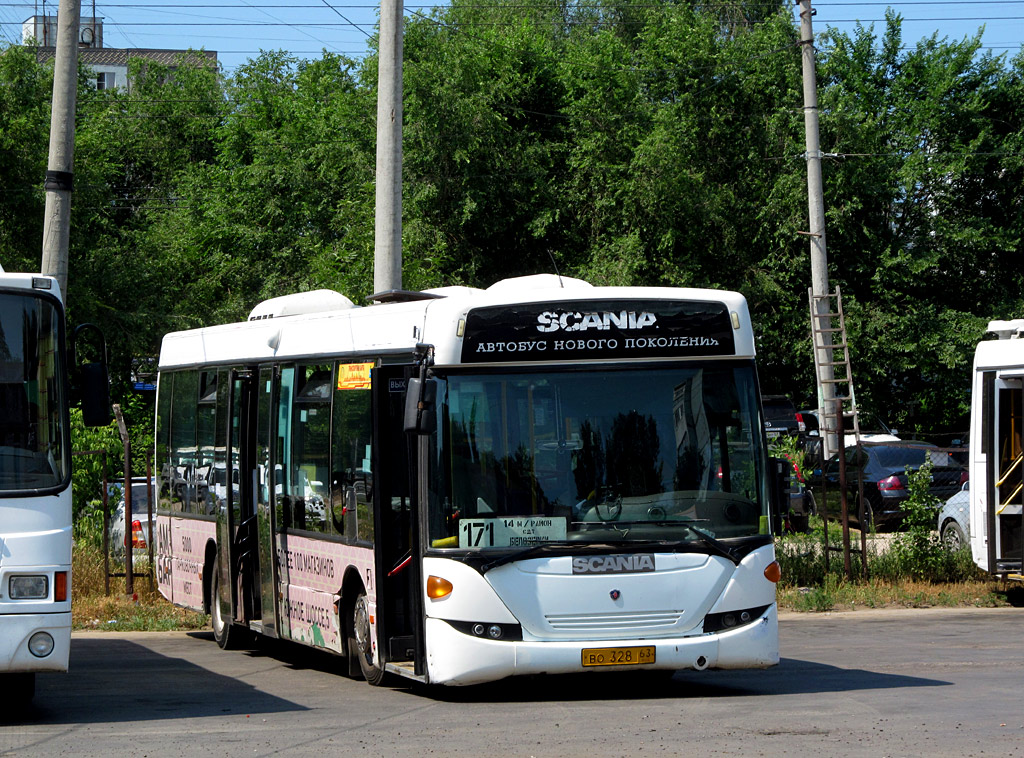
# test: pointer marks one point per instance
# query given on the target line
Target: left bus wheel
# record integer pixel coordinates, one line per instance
(360, 645)
(17, 691)
(228, 635)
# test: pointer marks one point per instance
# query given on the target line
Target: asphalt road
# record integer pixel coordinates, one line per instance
(866, 683)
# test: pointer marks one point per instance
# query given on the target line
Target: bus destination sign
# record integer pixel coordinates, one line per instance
(596, 329)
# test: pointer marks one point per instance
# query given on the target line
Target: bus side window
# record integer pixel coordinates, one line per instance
(311, 424)
(351, 479)
(282, 493)
(164, 467)
(183, 439)
(203, 471)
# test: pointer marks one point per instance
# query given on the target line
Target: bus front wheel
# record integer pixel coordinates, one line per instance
(360, 645)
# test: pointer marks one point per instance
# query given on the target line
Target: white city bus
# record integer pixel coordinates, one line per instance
(460, 485)
(35, 485)
(996, 457)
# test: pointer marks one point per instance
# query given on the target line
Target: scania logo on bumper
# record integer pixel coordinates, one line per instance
(613, 564)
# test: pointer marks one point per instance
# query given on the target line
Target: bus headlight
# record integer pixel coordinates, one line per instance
(503, 632)
(40, 644)
(720, 622)
(28, 587)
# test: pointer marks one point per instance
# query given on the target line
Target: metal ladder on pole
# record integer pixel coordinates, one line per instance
(826, 326)
(832, 369)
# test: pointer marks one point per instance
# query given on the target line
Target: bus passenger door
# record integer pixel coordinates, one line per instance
(397, 554)
(244, 565)
(266, 586)
(1004, 444)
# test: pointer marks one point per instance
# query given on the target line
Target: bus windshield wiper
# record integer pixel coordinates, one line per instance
(716, 547)
(555, 546)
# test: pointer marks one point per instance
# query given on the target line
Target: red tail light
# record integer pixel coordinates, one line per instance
(964, 476)
(801, 425)
(138, 539)
(890, 483)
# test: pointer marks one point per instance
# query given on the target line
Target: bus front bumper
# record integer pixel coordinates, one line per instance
(19, 628)
(454, 658)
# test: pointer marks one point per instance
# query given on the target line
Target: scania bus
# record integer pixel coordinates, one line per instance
(996, 452)
(460, 485)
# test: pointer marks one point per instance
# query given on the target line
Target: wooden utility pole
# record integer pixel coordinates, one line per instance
(57, 219)
(816, 232)
(387, 258)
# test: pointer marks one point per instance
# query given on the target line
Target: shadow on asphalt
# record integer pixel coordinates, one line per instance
(114, 679)
(790, 677)
(111, 679)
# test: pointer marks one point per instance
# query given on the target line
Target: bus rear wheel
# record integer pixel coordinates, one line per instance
(229, 636)
(360, 645)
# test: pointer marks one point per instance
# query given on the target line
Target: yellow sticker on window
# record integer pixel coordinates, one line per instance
(354, 376)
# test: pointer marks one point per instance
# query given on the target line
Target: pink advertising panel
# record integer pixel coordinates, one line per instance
(310, 575)
(180, 554)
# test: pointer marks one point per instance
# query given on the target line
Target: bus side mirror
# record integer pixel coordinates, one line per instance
(781, 471)
(420, 399)
(92, 380)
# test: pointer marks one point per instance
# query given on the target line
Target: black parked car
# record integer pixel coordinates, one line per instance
(779, 415)
(883, 467)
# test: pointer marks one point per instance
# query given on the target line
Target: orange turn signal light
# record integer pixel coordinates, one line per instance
(438, 588)
(773, 572)
(60, 586)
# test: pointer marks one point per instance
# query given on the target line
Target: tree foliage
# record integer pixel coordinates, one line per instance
(626, 143)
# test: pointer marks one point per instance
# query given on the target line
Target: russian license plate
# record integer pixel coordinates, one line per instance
(618, 656)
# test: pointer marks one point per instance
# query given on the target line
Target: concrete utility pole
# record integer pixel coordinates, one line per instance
(387, 257)
(816, 208)
(57, 221)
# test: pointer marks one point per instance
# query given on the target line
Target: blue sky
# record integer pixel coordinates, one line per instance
(239, 29)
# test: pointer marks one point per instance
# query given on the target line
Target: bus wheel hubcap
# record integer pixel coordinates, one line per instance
(361, 624)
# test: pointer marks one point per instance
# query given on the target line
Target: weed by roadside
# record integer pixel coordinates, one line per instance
(898, 575)
(91, 609)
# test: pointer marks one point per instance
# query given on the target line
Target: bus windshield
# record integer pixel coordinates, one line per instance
(33, 453)
(659, 454)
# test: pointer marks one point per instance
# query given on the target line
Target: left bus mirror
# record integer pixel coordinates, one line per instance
(781, 472)
(92, 380)
(420, 397)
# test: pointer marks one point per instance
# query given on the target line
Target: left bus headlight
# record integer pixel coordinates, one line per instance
(28, 588)
(40, 644)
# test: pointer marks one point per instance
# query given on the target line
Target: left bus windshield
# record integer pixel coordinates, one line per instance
(33, 453)
(661, 454)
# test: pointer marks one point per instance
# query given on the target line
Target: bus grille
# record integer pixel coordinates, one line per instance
(599, 622)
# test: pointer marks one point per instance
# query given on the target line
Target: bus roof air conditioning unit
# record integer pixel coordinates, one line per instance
(317, 301)
(1006, 330)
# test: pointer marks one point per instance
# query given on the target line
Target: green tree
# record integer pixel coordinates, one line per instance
(917, 202)
(25, 89)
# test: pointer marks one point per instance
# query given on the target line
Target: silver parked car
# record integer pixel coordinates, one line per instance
(142, 530)
(954, 523)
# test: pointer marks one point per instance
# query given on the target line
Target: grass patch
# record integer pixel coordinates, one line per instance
(903, 571)
(148, 611)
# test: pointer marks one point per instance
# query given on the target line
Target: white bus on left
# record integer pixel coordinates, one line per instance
(35, 481)
(35, 484)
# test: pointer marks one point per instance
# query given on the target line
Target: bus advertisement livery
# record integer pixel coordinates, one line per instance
(461, 485)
